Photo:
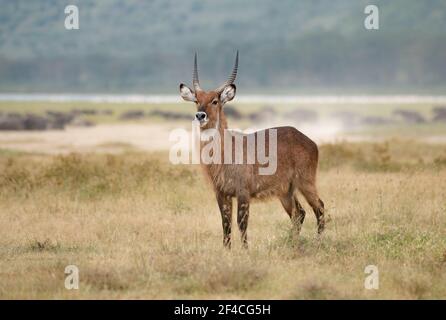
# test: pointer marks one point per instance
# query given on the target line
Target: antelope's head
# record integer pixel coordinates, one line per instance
(209, 103)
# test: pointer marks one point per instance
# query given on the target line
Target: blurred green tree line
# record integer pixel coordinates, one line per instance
(285, 46)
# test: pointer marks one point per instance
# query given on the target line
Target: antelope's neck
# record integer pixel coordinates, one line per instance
(214, 170)
(221, 125)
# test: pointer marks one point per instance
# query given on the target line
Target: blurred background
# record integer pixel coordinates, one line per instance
(311, 64)
(287, 47)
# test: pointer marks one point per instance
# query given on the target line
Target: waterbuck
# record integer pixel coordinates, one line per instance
(297, 161)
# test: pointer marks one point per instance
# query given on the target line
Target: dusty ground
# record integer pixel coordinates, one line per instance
(121, 137)
(100, 138)
(110, 134)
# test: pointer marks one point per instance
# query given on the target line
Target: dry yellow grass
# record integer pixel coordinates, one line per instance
(138, 227)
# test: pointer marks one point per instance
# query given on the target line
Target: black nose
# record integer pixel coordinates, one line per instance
(200, 116)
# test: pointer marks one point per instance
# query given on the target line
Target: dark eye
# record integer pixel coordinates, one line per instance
(214, 102)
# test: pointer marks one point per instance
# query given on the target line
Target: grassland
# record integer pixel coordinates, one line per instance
(138, 227)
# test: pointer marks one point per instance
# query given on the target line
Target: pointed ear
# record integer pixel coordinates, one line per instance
(228, 93)
(186, 93)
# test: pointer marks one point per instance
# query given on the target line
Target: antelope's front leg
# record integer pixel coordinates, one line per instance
(225, 205)
(242, 218)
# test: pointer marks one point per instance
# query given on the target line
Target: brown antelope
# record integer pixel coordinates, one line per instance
(297, 161)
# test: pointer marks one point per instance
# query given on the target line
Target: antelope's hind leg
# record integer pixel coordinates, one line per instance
(225, 205)
(310, 194)
(294, 209)
(242, 218)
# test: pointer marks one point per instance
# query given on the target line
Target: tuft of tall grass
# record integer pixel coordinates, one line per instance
(388, 156)
(91, 176)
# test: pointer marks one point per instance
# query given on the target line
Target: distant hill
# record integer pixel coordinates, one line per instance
(285, 46)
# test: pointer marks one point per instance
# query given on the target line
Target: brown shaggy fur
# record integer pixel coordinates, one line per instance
(297, 161)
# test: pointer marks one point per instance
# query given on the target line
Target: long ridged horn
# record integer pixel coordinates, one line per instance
(231, 78)
(195, 80)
